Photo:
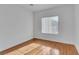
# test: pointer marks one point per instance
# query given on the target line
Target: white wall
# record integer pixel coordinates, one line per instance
(77, 26)
(15, 25)
(66, 24)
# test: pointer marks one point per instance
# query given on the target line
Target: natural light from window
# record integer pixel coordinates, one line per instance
(50, 25)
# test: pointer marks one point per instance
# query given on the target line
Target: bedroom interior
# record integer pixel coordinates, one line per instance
(39, 29)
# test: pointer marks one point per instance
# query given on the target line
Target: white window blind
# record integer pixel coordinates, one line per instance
(50, 25)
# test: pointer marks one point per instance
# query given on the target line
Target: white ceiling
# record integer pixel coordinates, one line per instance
(38, 7)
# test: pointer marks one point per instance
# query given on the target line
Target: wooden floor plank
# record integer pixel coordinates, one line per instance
(44, 47)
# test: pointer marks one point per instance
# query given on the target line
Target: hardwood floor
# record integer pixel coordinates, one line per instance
(41, 47)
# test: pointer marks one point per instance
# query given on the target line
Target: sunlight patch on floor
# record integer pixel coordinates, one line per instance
(35, 49)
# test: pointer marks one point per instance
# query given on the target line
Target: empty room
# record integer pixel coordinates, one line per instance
(39, 29)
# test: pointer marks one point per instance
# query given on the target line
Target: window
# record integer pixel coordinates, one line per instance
(50, 25)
